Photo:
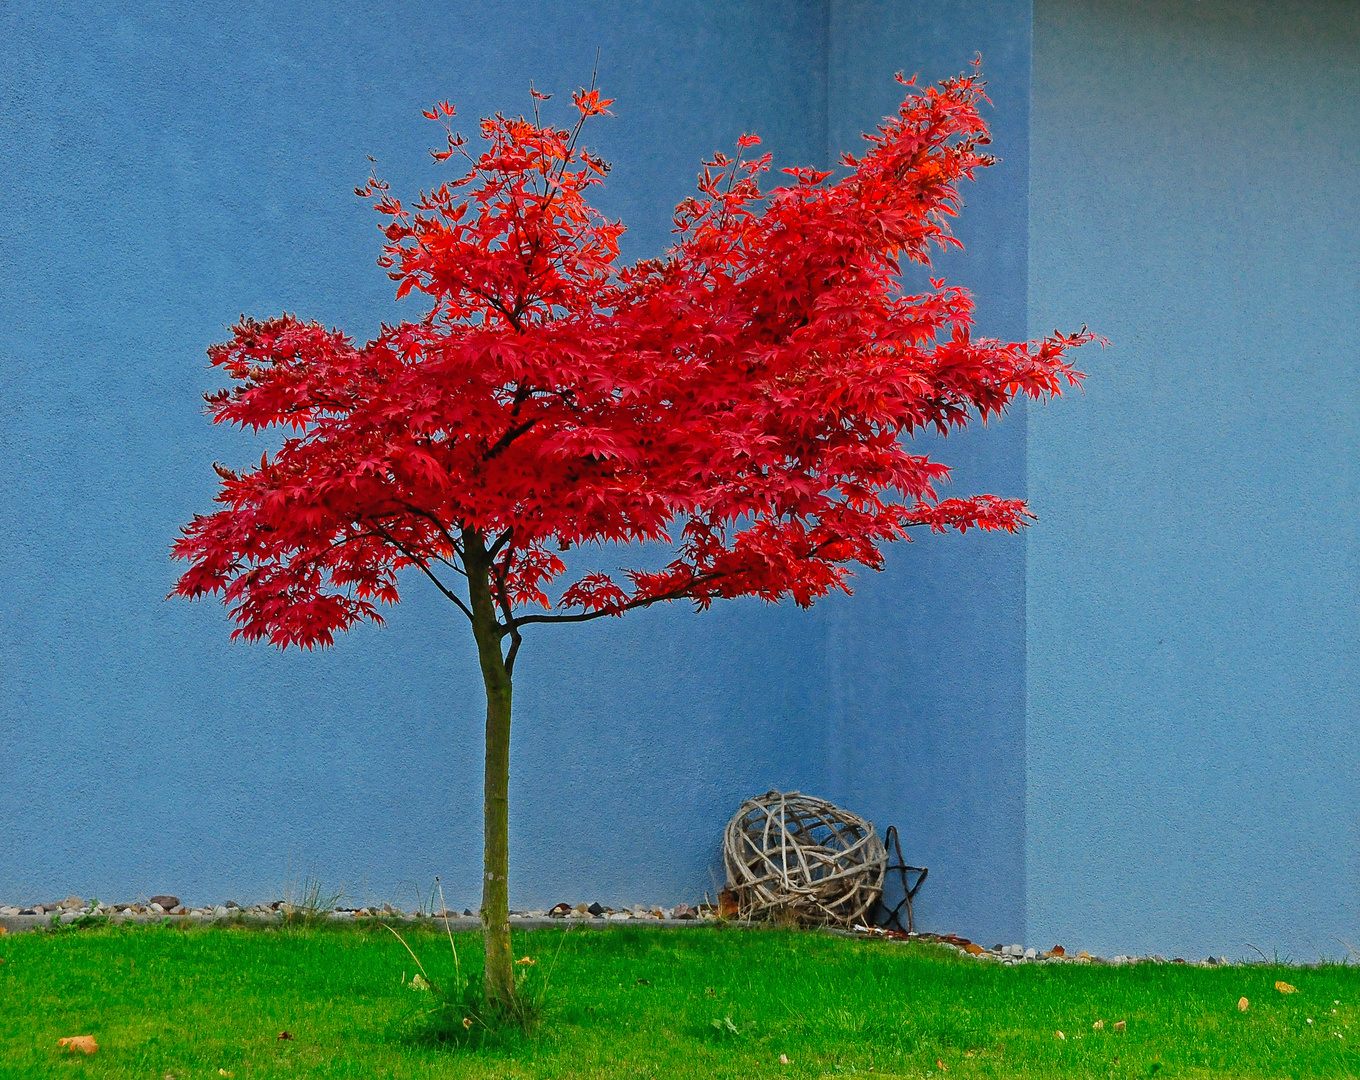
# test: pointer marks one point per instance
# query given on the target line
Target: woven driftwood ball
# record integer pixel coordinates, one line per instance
(792, 854)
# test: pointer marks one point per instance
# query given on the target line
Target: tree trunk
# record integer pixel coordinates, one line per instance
(500, 977)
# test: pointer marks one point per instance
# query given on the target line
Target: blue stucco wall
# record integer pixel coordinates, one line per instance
(926, 660)
(167, 170)
(1192, 608)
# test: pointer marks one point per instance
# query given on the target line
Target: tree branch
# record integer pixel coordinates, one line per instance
(501, 541)
(433, 519)
(587, 616)
(511, 434)
(502, 572)
(425, 569)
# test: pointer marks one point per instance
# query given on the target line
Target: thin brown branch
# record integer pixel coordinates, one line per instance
(449, 539)
(511, 434)
(423, 566)
(648, 601)
(501, 541)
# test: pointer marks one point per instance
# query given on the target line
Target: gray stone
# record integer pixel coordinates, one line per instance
(1031, 953)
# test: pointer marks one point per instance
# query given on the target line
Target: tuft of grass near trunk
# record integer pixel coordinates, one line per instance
(719, 1002)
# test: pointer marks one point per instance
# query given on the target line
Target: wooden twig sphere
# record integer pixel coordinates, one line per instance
(791, 853)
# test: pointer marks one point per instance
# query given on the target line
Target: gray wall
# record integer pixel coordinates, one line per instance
(1192, 648)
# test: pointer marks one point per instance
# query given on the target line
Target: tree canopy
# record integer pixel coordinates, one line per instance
(744, 398)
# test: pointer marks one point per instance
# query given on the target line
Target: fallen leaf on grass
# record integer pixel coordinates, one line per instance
(4, 930)
(1243, 1004)
(528, 960)
(84, 1043)
(1060, 1035)
(1099, 1025)
(941, 1065)
(467, 1022)
(223, 1072)
(284, 1035)
(783, 1059)
(1120, 1025)
(1284, 988)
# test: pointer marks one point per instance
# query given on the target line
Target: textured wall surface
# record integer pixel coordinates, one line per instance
(926, 661)
(168, 170)
(1193, 694)
(1133, 729)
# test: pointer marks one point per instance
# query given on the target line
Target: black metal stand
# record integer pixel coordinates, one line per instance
(891, 842)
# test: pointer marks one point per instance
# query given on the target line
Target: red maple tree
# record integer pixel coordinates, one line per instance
(744, 399)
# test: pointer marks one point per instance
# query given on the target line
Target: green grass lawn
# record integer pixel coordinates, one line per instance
(630, 1002)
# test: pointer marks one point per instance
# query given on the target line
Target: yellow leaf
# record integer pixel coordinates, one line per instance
(1099, 1025)
(1060, 1035)
(526, 960)
(1284, 988)
(1243, 1004)
(1120, 1025)
(84, 1043)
